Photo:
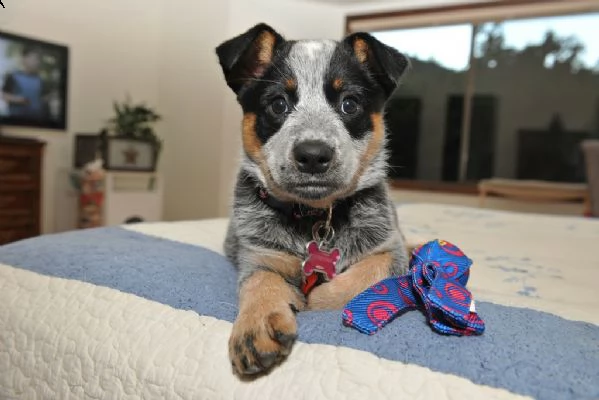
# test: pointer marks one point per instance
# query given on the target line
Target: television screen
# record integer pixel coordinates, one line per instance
(33, 82)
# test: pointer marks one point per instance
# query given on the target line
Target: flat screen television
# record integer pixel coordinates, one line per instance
(33, 82)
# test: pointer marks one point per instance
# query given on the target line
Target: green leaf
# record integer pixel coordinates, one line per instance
(134, 120)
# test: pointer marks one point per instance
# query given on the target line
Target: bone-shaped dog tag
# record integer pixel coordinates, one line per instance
(319, 266)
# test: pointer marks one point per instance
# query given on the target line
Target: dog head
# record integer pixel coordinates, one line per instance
(313, 127)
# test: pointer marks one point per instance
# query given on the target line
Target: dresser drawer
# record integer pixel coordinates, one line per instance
(12, 235)
(20, 187)
(19, 167)
(17, 218)
(17, 200)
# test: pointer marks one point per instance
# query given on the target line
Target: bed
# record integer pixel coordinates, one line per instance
(144, 312)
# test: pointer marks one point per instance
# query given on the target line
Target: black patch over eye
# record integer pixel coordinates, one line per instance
(279, 106)
(349, 106)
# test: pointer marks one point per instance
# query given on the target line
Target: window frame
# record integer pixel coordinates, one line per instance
(464, 13)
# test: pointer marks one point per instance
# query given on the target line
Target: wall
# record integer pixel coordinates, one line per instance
(191, 97)
(112, 52)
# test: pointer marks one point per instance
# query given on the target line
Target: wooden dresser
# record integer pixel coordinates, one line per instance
(20, 188)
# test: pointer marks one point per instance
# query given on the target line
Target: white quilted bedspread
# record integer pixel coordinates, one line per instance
(158, 352)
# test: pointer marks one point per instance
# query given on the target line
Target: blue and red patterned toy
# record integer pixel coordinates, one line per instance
(436, 284)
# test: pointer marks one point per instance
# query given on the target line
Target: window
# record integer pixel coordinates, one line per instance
(528, 88)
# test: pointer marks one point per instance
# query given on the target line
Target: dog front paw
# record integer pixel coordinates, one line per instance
(327, 296)
(259, 341)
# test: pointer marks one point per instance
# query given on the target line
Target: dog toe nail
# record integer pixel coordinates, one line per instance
(268, 359)
(245, 363)
(252, 370)
(286, 339)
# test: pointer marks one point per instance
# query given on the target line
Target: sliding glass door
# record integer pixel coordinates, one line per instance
(511, 99)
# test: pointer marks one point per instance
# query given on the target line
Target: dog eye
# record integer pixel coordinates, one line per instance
(349, 106)
(279, 106)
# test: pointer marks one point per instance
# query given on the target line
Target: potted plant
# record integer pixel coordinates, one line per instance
(135, 122)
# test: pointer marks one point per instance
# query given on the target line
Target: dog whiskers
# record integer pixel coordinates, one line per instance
(395, 167)
(283, 75)
(259, 80)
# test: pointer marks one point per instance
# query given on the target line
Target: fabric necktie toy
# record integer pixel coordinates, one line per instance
(436, 284)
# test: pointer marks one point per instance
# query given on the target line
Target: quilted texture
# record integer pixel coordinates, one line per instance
(73, 340)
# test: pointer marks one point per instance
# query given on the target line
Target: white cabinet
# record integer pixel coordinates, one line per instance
(108, 198)
(132, 195)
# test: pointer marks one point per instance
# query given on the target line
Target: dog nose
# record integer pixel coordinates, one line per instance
(312, 157)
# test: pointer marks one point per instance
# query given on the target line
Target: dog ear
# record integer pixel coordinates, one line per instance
(384, 63)
(248, 55)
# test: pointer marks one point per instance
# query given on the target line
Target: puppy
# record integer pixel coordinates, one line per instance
(314, 169)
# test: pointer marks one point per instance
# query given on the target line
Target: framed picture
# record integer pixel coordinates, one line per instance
(126, 154)
(87, 149)
(33, 82)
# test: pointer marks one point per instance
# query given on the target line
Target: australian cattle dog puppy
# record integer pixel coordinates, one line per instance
(311, 190)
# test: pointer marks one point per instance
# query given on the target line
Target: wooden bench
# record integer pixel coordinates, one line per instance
(535, 191)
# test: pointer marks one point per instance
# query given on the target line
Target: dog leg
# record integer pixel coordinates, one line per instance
(360, 276)
(265, 328)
